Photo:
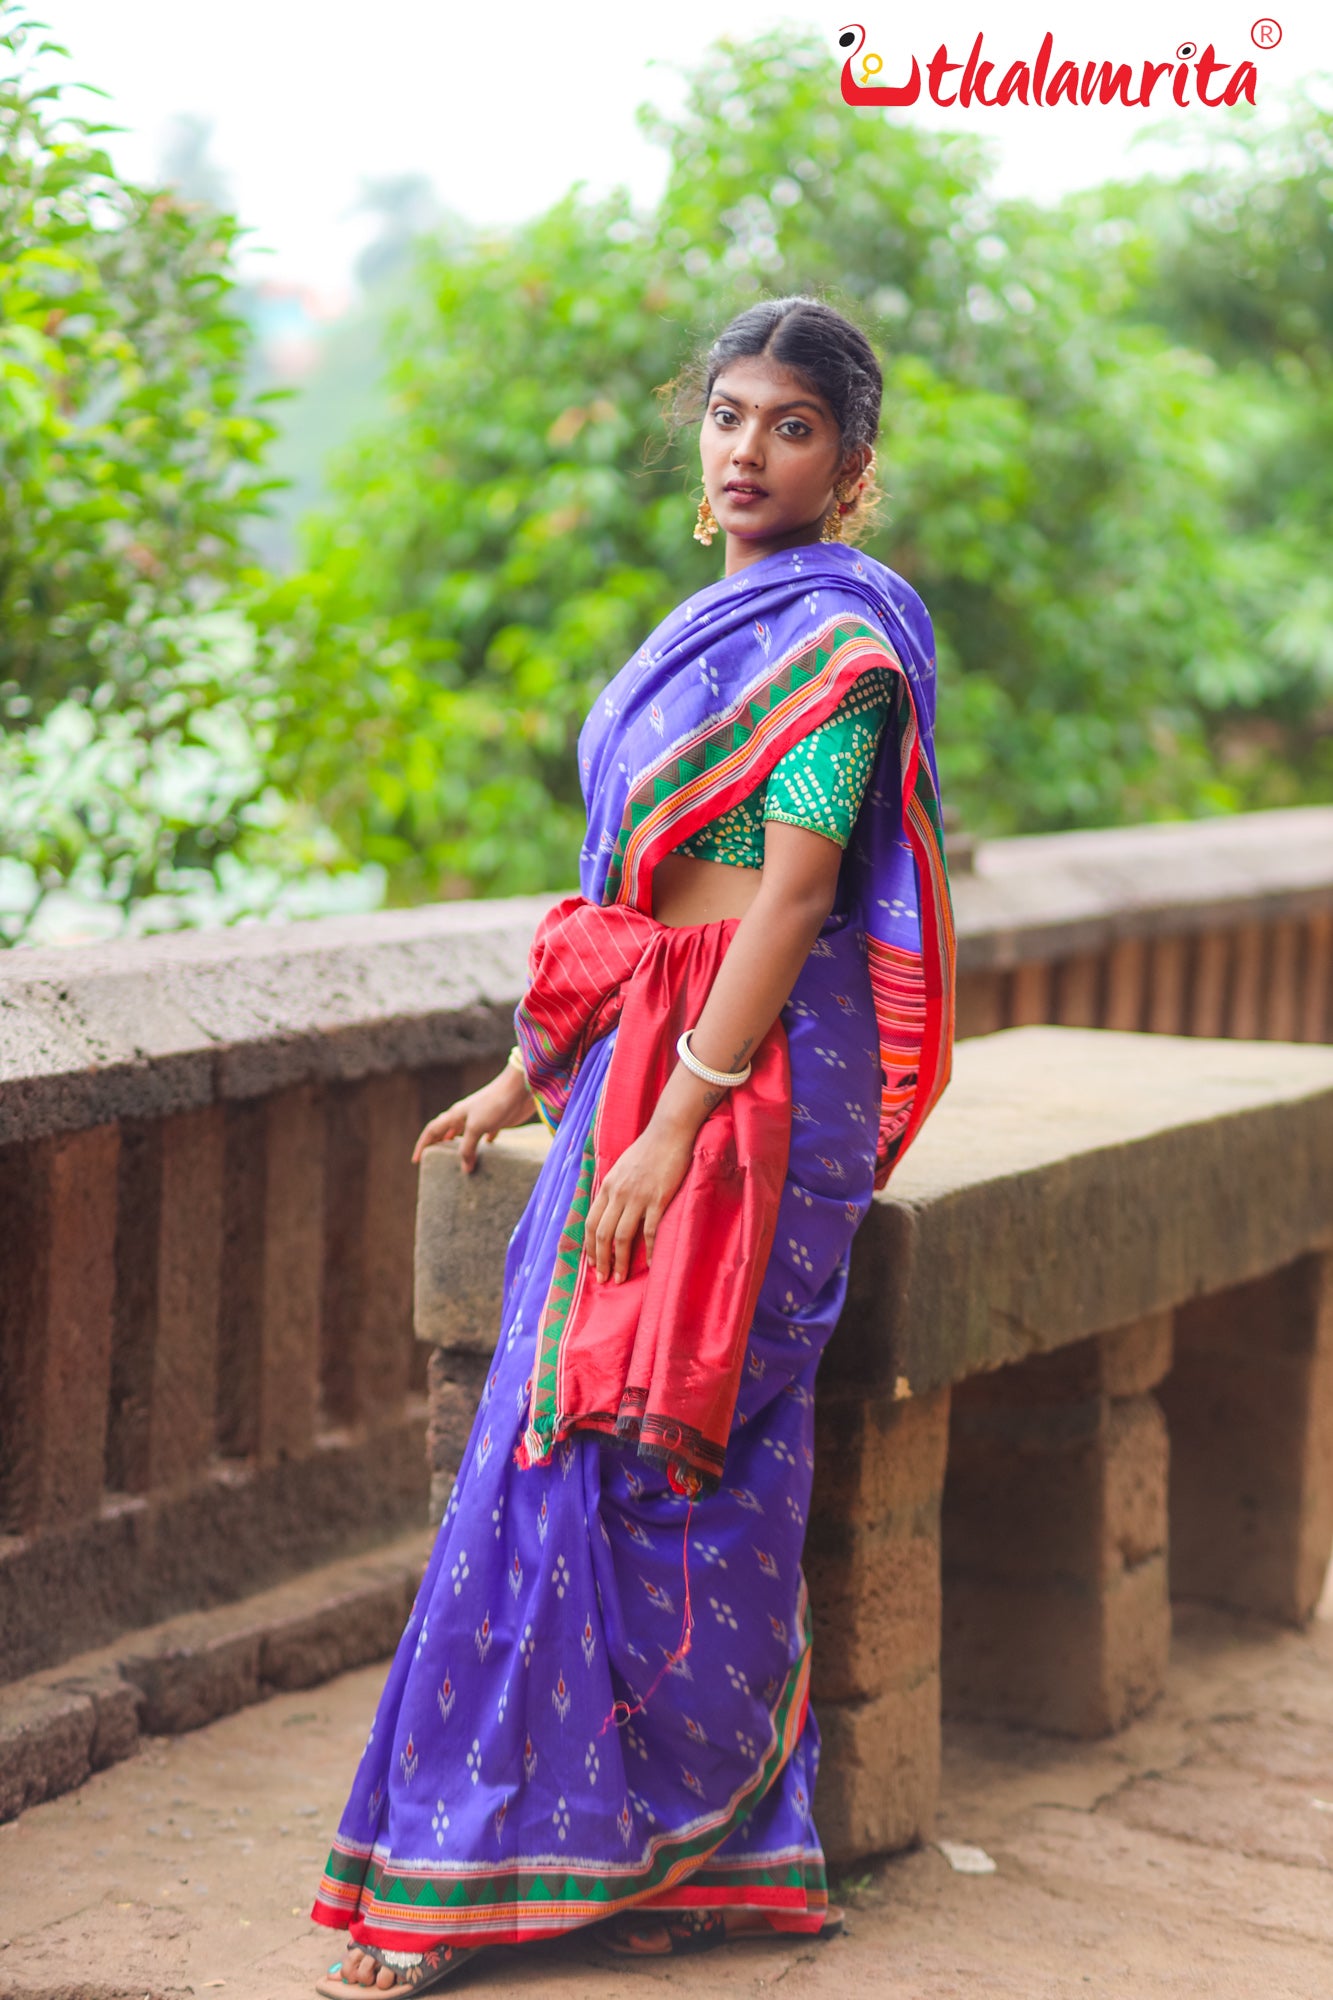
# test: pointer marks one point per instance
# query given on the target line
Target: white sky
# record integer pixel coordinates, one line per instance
(504, 107)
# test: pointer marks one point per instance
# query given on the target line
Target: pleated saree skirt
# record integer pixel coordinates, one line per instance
(502, 1795)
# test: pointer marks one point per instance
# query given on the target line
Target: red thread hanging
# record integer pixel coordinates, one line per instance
(621, 1711)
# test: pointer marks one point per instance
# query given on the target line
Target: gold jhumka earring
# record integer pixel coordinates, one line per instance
(705, 523)
(832, 528)
(845, 498)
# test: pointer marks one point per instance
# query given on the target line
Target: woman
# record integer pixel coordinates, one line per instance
(599, 1705)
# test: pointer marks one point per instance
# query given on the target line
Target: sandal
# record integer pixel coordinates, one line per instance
(686, 1931)
(689, 1931)
(422, 1974)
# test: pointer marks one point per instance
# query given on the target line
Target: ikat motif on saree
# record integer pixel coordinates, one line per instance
(491, 1801)
(499, 1797)
(724, 688)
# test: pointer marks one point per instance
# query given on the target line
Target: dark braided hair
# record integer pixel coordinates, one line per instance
(816, 342)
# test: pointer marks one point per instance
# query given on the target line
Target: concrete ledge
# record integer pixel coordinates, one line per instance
(149, 1026)
(156, 1025)
(1053, 895)
(56, 1728)
(1175, 1165)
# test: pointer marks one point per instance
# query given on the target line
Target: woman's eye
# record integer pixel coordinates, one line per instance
(793, 427)
(726, 417)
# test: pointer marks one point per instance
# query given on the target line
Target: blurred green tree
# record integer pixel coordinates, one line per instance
(138, 713)
(1073, 461)
(1235, 259)
(129, 464)
(1105, 439)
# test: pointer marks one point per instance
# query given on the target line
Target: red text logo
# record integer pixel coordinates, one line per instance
(1193, 76)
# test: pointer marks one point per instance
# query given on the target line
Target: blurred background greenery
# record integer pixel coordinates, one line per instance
(1107, 443)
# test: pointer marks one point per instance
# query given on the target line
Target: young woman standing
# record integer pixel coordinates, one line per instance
(599, 1709)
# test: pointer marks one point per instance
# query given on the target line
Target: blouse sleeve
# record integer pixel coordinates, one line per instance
(820, 782)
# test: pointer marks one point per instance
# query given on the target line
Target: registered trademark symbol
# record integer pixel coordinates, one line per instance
(1265, 34)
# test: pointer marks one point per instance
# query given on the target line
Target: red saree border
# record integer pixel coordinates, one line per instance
(344, 1901)
(842, 648)
(796, 704)
(939, 955)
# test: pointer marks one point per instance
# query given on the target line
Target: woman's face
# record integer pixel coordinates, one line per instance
(772, 458)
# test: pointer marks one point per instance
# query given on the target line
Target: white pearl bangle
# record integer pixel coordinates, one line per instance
(514, 1060)
(721, 1079)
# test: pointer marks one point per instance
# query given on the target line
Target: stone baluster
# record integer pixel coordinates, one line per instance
(164, 1365)
(872, 1561)
(272, 1274)
(57, 1253)
(370, 1212)
(1316, 1016)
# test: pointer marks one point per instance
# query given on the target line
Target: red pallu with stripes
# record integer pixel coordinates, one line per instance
(656, 1359)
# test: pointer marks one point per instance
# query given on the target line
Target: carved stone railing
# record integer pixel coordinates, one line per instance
(207, 1375)
(206, 1199)
(1203, 927)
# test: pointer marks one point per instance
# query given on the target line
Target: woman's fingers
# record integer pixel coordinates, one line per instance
(463, 1118)
(627, 1228)
(474, 1131)
(441, 1127)
(612, 1225)
(604, 1222)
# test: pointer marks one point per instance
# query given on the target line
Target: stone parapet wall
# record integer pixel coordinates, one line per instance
(92, 1034)
(1201, 927)
(207, 1374)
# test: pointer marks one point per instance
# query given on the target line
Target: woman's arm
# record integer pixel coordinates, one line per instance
(772, 942)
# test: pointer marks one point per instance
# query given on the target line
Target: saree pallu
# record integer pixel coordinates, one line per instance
(655, 1359)
(497, 1799)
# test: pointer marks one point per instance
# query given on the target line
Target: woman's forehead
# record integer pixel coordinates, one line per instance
(757, 381)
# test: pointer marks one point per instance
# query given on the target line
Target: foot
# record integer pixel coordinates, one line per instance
(358, 1970)
(361, 1972)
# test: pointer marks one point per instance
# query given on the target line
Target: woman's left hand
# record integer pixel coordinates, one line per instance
(634, 1196)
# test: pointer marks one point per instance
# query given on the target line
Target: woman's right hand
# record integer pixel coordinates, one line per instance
(504, 1101)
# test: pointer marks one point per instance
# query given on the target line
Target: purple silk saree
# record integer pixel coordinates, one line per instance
(496, 1799)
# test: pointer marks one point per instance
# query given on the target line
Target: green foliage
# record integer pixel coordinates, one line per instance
(144, 804)
(1106, 442)
(1107, 468)
(133, 788)
(503, 547)
(128, 465)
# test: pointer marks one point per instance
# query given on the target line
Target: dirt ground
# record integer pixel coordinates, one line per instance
(1192, 1855)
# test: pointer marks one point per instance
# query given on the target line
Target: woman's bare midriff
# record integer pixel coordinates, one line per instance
(686, 891)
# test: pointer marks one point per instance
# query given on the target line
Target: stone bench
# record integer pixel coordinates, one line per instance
(1097, 1295)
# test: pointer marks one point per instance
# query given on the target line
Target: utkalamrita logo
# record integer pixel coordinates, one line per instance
(1036, 83)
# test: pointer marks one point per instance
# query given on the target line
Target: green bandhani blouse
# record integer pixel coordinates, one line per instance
(819, 784)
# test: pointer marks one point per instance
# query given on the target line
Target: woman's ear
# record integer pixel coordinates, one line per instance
(853, 467)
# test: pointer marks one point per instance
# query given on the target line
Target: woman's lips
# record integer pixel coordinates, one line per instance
(744, 495)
